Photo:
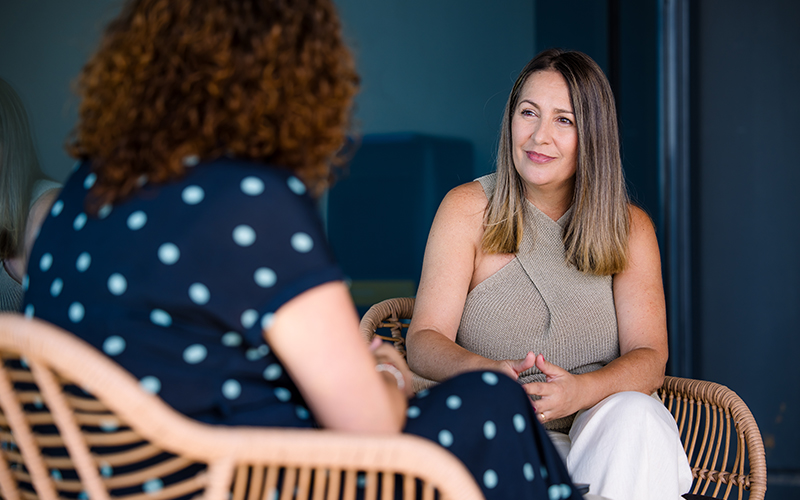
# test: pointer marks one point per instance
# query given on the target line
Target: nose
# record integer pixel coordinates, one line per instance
(543, 133)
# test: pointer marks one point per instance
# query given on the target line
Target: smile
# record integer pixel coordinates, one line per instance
(538, 157)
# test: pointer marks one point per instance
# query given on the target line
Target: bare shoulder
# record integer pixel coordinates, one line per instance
(466, 199)
(39, 211)
(639, 219)
(642, 243)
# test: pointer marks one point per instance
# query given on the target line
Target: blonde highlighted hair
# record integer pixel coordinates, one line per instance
(596, 236)
(19, 170)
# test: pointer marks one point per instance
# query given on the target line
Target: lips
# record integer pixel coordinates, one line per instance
(538, 157)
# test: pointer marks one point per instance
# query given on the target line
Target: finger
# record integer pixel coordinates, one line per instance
(525, 363)
(541, 389)
(549, 369)
(376, 342)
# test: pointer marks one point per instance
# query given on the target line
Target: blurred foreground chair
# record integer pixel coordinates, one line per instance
(74, 424)
(718, 431)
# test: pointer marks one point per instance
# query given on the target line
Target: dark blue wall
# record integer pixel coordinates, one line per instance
(747, 292)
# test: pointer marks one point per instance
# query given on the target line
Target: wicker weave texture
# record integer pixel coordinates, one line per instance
(718, 431)
(73, 424)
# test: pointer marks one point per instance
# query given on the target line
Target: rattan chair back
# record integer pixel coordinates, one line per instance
(74, 424)
(719, 434)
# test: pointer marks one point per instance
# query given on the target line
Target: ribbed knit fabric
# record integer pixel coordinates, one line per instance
(538, 302)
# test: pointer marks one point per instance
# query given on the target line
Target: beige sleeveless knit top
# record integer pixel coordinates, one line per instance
(537, 302)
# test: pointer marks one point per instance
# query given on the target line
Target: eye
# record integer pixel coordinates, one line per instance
(528, 112)
(565, 120)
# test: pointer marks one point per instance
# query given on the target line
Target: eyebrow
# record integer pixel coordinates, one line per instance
(557, 110)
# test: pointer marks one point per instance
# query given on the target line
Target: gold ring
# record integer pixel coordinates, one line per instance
(542, 415)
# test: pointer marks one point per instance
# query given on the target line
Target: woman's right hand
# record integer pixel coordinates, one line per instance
(515, 367)
(386, 354)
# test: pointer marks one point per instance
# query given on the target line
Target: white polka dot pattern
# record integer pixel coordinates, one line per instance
(252, 186)
(244, 235)
(190, 160)
(46, 262)
(192, 195)
(282, 394)
(195, 353)
(89, 181)
(489, 429)
(106, 470)
(114, 345)
(76, 312)
(153, 486)
(267, 320)
(109, 425)
(272, 372)
(296, 185)
(83, 262)
(249, 318)
(137, 220)
(104, 211)
(302, 242)
(489, 378)
(231, 389)
(413, 412)
(168, 253)
(519, 423)
(559, 491)
(445, 438)
(150, 384)
(490, 479)
(160, 318)
(79, 222)
(29, 311)
(265, 277)
(231, 339)
(527, 471)
(199, 294)
(58, 206)
(56, 286)
(117, 284)
(453, 402)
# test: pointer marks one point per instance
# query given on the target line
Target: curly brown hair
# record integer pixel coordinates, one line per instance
(269, 80)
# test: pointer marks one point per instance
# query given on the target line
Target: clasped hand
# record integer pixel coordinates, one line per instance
(559, 395)
(385, 353)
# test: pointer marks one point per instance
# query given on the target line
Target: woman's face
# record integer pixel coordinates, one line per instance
(544, 136)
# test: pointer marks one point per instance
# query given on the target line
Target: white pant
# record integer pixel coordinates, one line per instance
(627, 448)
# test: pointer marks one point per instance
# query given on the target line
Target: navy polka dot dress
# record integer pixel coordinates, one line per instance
(177, 283)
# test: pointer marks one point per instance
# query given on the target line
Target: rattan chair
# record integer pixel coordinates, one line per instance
(74, 424)
(718, 431)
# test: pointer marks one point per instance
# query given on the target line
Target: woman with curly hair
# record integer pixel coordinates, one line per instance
(187, 247)
(25, 196)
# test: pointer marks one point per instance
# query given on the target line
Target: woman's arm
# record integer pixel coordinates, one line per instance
(641, 317)
(448, 270)
(18, 266)
(316, 337)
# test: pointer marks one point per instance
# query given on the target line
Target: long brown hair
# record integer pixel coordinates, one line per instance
(19, 170)
(596, 236)
(267, 80)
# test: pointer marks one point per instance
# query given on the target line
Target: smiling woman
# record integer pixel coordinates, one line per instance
(545, 272)
(545, 142)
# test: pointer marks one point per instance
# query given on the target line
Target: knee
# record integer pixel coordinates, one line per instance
(629, 411)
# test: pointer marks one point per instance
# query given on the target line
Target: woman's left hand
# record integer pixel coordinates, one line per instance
(560, 393)
(386, 353)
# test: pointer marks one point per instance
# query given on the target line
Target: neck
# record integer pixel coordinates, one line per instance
(552, 204)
